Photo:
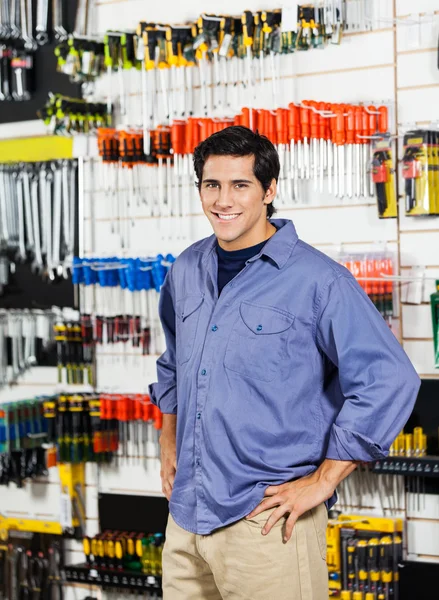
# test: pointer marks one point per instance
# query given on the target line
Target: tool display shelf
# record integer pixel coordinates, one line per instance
(106, 578)
(409, 466)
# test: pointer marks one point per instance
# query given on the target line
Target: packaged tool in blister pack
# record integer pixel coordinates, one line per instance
(420, 172)
(363, 556)
(435, 323)
(30, 566)
(383, 175)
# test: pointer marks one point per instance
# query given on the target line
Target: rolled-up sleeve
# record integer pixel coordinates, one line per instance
(377, 379)
(164, 393)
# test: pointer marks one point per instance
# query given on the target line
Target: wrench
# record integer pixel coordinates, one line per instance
(48, 212)
(21, 235)
(38, 264)
(28, 211)
(42, 19)
(58, 20)
(56, 224)
(27, 25)
(81, 22)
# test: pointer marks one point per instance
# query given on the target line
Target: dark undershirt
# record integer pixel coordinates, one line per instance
(230, 263)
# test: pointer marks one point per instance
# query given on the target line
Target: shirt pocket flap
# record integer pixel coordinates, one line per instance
(264, 320)
(188, 305)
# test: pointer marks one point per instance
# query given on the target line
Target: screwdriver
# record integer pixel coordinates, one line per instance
(359, 141)
(340, 142)
(351, 547)
(304, 158)
(314, 134)
(350, 139)
(372, 565)
(323, 129)
(386, 566)
(362, 565)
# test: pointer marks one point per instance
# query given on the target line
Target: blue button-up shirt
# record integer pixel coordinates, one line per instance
(292, 364)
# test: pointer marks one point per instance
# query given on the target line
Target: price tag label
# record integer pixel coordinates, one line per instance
(66, 518)
(289, 16)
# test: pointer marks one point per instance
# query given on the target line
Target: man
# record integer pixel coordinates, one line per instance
(278, 377)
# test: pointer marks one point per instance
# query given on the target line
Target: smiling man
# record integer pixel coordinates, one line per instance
(278, 377)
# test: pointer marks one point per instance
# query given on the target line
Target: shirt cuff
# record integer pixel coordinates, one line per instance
(353, 446)
(164, 397)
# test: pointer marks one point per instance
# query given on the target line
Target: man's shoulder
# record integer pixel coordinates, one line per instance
(321, 265)
(194, 252)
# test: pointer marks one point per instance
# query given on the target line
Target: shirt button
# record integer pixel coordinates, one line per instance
(198, 462)
(259, 328)
(198, 415)
(204, 372)
(214, 328)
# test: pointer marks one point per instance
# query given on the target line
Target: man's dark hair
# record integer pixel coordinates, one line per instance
(241, 141)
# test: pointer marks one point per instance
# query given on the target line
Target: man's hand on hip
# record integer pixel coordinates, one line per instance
(168, 454)
(295, 498)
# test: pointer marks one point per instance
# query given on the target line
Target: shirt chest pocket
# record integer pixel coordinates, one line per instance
(258, 343)
(188, 314)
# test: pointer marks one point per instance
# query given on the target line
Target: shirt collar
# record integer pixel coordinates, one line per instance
(279, 247)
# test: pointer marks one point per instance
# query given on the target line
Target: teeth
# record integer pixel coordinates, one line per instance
(227, 217)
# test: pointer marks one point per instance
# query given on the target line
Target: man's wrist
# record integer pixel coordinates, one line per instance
(332, 472)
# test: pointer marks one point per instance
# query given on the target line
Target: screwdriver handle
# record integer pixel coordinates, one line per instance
(383, 119)
(245, 117)
(314, 120)
(282, 125)
(304, 120)
(350, 125)
(294, 133)
(372, 120)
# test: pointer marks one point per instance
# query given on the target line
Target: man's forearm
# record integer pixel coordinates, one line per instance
(332, 472)
(169, 425)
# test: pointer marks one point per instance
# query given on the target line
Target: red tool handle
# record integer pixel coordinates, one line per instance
(359, 110)
(372, 118)
(245, 118)
(350, 124)
(314, 121)
(282, 125)
(304, 120)
(294, 133)
(158, 417)
(383, 119)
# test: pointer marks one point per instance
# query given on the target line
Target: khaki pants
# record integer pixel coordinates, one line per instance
(239, 563)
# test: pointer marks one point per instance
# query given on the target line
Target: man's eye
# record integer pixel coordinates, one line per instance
(241, 185)
(211, 185)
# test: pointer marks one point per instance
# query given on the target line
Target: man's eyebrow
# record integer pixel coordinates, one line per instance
(234, 181)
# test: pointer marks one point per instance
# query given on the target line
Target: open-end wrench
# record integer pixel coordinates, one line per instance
(28, 211)
(3, 215)
(14, 21)
(48, 214)
(56, 221)
(42, 21)
(27, 25)
(65, 209)
(21, 232)
(58, 20)
(37, 265)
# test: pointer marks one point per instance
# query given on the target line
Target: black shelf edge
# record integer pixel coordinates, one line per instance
(427, 466)
(107, 578)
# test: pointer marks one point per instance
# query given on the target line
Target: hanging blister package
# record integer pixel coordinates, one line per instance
(383, 176)
(420, 172)
(434, 298)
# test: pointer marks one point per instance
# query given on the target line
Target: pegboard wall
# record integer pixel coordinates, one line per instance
(394, 64)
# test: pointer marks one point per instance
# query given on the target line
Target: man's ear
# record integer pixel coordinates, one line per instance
(270, 194)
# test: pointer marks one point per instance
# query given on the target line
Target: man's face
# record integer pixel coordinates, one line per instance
(234, 201)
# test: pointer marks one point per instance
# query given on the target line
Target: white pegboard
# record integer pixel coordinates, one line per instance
(422, 356)
(417, 321)
(361, 69)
